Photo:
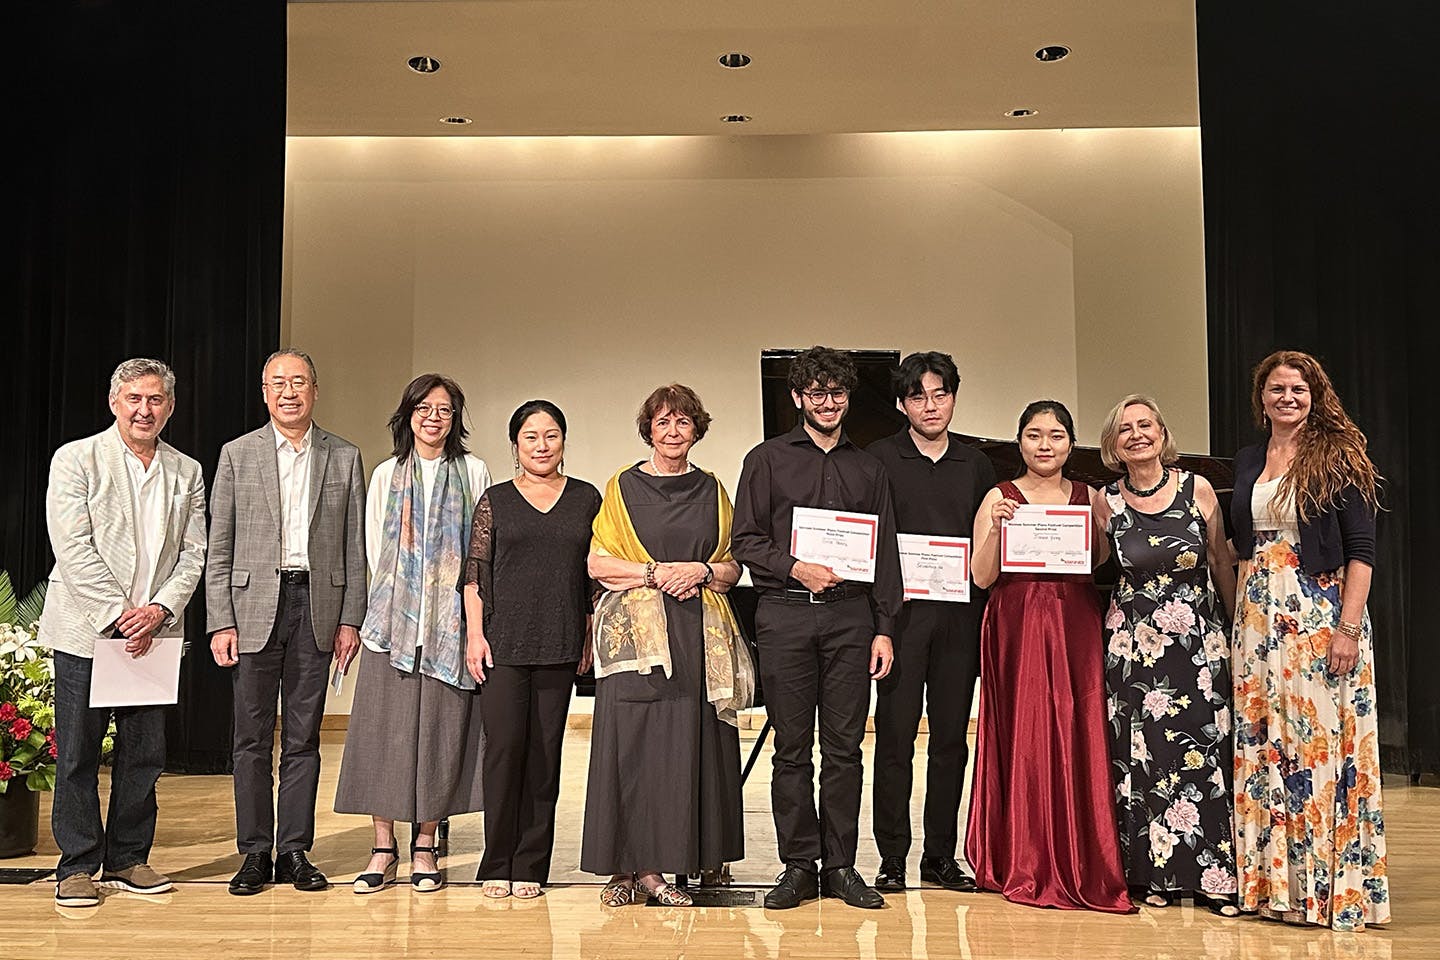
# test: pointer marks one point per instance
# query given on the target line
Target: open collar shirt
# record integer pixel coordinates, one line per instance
(294, 469)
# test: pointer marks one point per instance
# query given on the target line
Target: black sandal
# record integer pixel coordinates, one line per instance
(375, 882)
(426, 882)
(1220, 906)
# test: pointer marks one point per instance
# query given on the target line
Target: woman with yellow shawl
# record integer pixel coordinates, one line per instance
(671, 668)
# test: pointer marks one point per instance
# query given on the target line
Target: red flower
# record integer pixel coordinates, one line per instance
(20, 728)
(8, 712)
(51, 749)
(5, 772)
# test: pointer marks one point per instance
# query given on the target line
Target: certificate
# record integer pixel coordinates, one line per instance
(935, 568)
(120, 680)
(844, 542)
(1046, 539)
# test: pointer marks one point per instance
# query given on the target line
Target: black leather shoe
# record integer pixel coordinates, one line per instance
(254, 873)
(946, 872)
(892, 874)
(844, 883)
(293, 868)
(797, 884)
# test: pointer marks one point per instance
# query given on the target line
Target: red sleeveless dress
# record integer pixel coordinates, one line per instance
(1042, 828)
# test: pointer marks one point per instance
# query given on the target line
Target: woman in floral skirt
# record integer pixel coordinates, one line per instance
(1310, 835)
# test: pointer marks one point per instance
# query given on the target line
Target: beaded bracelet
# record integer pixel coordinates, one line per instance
(1351, 630)
(650, 574)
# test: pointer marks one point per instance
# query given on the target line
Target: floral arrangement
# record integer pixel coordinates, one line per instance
(27, 694)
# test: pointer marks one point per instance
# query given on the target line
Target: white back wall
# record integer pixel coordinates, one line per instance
(1064, 264)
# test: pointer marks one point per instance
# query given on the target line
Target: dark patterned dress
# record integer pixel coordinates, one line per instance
(1167, 676)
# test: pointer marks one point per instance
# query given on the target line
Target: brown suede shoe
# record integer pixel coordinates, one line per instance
(140, 878)
(77, 890)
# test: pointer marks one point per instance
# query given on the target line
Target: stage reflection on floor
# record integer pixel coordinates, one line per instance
(195, 846)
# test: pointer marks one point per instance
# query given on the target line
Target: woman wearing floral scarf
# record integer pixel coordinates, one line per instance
(671, 668)
(413, 748)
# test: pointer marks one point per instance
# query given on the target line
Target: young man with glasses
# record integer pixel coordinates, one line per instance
(937, 483)
(285, 594)
(821, 638)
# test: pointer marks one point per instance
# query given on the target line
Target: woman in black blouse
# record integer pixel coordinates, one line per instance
(527, 611)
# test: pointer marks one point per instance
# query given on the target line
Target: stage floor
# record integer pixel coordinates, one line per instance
(195, 846)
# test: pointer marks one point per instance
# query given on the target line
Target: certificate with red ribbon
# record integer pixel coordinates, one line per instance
(1046, 539)
(844, 542)
(935, 567)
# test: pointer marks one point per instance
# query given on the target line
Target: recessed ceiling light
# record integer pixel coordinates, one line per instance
(735, 118)
(1051, 54)
(735, 60)
(455, 120)
(1019, 112)
(424, 64)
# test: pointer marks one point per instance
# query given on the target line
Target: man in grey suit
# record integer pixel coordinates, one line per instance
(126, 515)
(285, 592)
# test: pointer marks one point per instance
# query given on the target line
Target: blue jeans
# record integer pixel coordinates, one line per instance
(125, 838)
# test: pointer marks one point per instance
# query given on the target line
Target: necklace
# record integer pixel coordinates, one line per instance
(1142, 494)
(661, 473)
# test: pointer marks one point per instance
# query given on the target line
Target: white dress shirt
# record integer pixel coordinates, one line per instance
(378, 496)
(294, 499)
(147, 497)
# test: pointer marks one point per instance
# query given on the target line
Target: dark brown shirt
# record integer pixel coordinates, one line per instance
(790, 471)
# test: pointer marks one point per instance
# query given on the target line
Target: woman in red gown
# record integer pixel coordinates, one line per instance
(1042, 827)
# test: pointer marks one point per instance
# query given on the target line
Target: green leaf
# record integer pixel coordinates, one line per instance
(28, 611)
(4, 785)
(23, 755)
(36, 738)
(41, 780)
(7, 599)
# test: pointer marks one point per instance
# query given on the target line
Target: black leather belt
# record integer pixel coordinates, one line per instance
(843, 591)
(294, 576)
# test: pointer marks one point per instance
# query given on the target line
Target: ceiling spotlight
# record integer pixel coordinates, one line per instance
(1051, 54)
(426, 64)
(735, 118)
(1019, 112)
(735, 60)
(455, 120)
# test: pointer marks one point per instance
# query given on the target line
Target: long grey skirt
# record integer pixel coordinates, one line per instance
(413, 748)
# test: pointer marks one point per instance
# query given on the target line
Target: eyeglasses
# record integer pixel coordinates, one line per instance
(426, 411)
(839, 395)
(297, 383)
(920, 399)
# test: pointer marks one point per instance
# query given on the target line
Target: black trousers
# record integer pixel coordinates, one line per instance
(292, 667)
(815, 658)
(937, 653)
(125, 838)
(523, 711)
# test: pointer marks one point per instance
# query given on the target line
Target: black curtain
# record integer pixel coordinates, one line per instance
(149, 203)
(1319, 236)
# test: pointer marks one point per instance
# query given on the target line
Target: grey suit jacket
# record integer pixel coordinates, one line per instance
(90, 512)
(242, 581)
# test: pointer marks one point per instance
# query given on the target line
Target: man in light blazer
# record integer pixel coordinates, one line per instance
(285, 593)
(126, 516)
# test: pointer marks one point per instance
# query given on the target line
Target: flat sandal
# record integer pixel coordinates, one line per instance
(618, 893)
(669, 895)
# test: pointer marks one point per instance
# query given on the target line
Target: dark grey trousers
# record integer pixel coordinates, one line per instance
(290, 665)
(125, 838)
(815, 659)
(937, 658)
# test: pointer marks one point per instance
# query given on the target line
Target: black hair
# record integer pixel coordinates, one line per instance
(822, 366)
(905, 381)
(403, 437)
(1047, 406)
(524, 411)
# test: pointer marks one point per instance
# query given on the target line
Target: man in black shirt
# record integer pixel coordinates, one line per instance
(937, 484)
(821, 638)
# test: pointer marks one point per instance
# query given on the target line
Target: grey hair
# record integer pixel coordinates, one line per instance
(291, 352)
(137, 367)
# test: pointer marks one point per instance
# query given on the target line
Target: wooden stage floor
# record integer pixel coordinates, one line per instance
(195, 846)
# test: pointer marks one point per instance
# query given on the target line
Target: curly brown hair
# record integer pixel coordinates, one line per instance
(1330, 457)
(677, 398)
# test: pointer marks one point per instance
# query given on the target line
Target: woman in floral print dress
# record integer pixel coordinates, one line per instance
(1167, 665)
(1310, 833)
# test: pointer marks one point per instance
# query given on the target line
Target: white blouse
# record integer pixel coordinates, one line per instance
(378, 494)
(1268, 515)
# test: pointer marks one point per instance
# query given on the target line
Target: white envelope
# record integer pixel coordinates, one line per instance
(120, 680)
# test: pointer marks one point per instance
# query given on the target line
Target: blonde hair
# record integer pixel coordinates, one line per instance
(1330, 455)
(1110, 432)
